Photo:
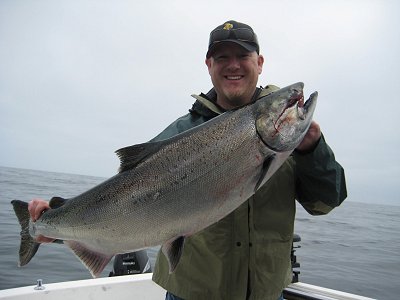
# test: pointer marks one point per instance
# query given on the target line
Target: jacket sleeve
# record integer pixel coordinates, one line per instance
(320, 182)
(180, 125)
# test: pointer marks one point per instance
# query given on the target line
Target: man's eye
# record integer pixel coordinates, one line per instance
(221, 58)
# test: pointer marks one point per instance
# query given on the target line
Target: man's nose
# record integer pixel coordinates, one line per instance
(234, 63)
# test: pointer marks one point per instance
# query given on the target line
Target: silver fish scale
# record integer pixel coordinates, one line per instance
(176, 187)
(197, 173)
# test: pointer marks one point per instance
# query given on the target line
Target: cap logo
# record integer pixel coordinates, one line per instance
(228, 26)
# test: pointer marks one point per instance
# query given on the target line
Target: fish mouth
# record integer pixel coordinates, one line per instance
(286, 118)
(303, 107)
(296, 103)
(296, 110)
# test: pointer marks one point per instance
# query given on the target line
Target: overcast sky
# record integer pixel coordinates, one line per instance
(81, 79)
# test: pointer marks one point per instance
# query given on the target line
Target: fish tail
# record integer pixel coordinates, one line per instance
(28, 245)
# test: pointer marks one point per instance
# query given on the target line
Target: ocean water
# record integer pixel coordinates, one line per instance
(356, 248)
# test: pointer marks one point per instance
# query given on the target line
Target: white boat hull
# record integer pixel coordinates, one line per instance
(109, 288)
(141, 287)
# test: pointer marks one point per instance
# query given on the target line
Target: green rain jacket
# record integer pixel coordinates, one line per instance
(246, 255)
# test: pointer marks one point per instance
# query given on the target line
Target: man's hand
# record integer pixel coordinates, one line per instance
(36, 207)
(311, 138)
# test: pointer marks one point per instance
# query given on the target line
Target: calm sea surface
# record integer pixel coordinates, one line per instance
(356, 248)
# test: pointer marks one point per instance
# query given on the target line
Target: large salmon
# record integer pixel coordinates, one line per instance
(170, 189)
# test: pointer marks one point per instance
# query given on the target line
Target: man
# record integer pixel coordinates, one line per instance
(246, 255)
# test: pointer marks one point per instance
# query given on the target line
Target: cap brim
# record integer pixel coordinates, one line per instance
(246, 45)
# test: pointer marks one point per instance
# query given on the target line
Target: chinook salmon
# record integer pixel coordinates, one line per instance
(170, 189)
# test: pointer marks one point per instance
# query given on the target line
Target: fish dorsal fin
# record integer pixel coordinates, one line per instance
(94, 261)
(131, 156)
(173, 252)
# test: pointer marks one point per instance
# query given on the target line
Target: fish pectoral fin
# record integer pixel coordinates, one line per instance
(173, 252)
(94, 261)
(131, 156)
(267, 163)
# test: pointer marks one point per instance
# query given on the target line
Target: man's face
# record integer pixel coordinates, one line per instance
(234, 73)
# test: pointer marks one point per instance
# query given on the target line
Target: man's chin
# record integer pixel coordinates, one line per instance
(236, 99)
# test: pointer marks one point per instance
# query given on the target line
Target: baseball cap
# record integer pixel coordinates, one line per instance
(235, 32)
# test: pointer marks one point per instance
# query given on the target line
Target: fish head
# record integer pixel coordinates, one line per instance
(283, 118)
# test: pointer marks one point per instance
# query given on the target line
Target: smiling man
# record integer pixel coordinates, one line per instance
(246, 255)
(234, 72)
(234, 63)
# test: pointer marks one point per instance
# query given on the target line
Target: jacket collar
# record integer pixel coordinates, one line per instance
(206, 104)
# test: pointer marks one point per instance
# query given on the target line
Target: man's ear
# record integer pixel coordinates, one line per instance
(260, 62)
(208, 63)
